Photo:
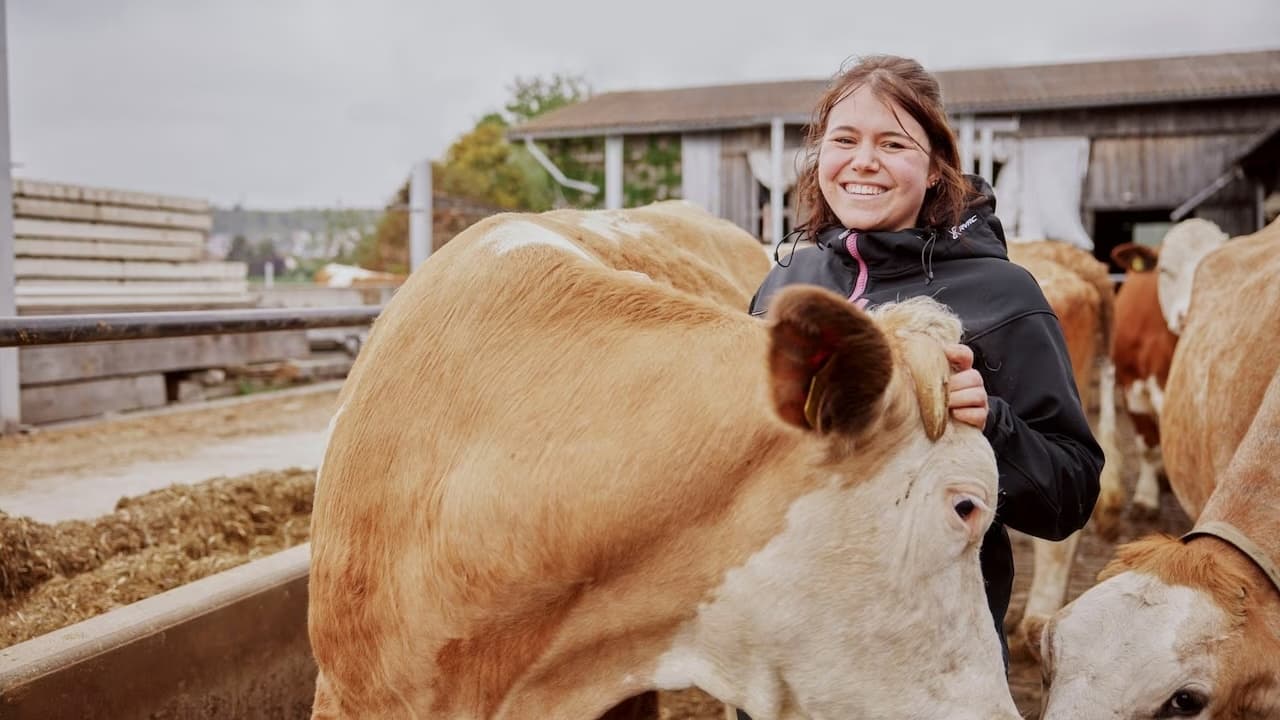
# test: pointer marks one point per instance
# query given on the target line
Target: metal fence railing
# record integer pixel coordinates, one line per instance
(60, 329)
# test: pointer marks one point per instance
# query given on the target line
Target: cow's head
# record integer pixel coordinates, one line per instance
(869, 603)
(1172, 631)
(1182, 249)
(1135, 258)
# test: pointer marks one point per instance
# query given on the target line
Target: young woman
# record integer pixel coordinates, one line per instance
(891, 216)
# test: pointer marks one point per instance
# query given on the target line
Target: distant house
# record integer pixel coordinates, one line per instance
(1100, 151)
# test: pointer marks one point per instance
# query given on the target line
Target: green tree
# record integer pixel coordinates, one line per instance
(387, 247)
(482, 165)
(531, 97)
(239, 250)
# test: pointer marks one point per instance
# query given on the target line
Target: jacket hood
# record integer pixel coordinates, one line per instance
(891, 253)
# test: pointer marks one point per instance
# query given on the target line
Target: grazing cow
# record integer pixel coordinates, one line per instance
(1142, 350)
(1079, 290)
(562, 474)
(1191, 627)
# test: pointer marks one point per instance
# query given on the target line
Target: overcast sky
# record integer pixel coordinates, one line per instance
(284, 103)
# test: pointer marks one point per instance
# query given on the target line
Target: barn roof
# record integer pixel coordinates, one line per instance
(977, 91)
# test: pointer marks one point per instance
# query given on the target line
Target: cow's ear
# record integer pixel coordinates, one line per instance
(1134, 257)
(829, 363)
(930, 373)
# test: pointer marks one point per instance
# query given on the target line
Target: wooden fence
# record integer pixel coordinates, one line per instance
(81, 249)
(94, 250)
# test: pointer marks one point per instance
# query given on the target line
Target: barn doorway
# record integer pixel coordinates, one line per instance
(1116, 227)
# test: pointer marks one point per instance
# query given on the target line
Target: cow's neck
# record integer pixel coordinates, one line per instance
(654, 626)
(1259, 606)
(1248, 494)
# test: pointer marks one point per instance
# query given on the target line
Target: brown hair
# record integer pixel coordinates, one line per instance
(906, 83)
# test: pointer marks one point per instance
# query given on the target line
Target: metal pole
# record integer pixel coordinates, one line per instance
(777, 201)
(62, 329)
(420, 214)
(10, 406)
(613, 172)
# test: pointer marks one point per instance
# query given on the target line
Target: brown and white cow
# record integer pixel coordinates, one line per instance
(1142, 350)
(1079, 290)
(1191, 628)
(561, 476)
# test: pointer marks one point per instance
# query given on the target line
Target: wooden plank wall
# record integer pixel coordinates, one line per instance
(86, 249)
(90, 250)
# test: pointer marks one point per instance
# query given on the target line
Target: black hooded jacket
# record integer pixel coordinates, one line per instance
(1048, 460)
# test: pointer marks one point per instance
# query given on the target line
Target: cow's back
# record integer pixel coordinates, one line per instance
(555, 327)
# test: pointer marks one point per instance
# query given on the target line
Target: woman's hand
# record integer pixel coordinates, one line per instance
(967, 396)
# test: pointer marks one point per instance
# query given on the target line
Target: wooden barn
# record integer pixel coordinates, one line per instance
(1095, 153)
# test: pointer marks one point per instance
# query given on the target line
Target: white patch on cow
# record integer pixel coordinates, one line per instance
(516, 234)
(636, 275)
(1156, 393)
(815, 620)
(613, 226)
(328, 434)
(1181, 251)
(1146, 494)
(1144, 397)
(1127, 645)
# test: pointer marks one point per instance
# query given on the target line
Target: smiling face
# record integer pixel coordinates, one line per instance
(874, 164)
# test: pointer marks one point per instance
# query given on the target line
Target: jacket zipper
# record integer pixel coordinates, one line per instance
(860, 281)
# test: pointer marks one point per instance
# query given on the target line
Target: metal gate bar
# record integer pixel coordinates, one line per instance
(61, 329)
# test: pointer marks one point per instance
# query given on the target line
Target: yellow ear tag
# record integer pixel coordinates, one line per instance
(1139, 265)
(817, 388)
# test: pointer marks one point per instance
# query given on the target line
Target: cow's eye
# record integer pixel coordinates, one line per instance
(1184, 703)
(964, 508)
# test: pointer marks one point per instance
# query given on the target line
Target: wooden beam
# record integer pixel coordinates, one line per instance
(107, 196)
(58, 268)
(57, 230)
(966, 143)
(86, 361)
(49, 403)
(104, 250)
(59, 210)
(986, 161)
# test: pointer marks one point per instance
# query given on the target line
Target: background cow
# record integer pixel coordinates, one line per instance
(1142, 351)
(1191, 628)
(1079, 290)
(564, 473)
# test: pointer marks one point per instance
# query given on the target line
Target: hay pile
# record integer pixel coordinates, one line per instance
(54, 575)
